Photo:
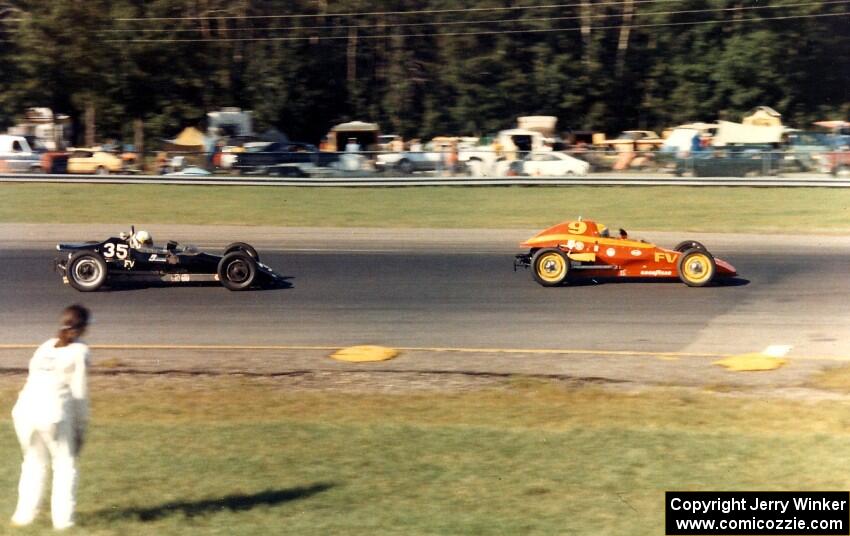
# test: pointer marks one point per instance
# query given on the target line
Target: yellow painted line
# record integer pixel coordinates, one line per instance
(509, 351)
(541, 351)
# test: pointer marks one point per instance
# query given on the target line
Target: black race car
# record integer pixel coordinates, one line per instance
(133, 257)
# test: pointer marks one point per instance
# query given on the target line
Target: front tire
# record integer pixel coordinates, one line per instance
(550, 267)
(696, 267)
(242, 246)
(237, 270)
(689, 244)
(86, 271)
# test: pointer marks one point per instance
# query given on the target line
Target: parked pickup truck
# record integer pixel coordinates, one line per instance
(17, 155)
(287, 159)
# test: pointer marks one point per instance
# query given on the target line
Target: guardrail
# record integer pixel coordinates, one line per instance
(592, 180)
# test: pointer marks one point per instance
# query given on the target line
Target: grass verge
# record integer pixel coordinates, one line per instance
(835, 379)
(788, 210)
(178, 456)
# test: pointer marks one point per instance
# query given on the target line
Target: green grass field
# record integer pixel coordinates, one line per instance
(174, 456)
(787, 210)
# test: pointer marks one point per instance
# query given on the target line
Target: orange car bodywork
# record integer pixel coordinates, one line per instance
(593, 254)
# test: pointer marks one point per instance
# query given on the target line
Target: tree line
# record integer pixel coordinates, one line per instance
(423, 67)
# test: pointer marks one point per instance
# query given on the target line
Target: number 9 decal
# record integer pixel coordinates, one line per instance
(577, 227)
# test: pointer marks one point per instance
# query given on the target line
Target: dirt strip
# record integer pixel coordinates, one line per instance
(420, 370)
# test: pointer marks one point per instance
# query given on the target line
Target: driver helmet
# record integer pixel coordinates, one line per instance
(603, 231)
(142, 238)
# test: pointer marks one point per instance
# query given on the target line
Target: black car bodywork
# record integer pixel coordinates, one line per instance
(744, 160)
(89, 266)
(291, 159)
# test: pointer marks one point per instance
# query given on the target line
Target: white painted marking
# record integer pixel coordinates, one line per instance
(777, 350)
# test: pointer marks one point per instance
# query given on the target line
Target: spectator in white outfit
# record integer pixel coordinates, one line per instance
(50, 419)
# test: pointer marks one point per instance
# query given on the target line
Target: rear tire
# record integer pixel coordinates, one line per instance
(550, 267)
(696, 267)
(86, 271)
(242, 246)
(237, 270)
(101, 171)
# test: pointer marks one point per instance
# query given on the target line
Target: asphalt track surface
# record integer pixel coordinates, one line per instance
(437, 293)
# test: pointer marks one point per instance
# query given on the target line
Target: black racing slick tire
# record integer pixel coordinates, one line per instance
(696, 267)
(550, 267)
(86, 271)
(689, 244)
(237, 270)
(242, 246)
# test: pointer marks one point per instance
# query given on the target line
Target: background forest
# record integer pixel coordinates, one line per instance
(423, 67)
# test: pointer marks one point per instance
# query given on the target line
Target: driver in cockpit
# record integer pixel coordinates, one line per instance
(141, 240)
(604, 233)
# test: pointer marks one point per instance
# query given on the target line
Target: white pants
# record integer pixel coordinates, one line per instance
(43, 446)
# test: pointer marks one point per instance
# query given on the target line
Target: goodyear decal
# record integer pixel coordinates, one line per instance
(657, 273)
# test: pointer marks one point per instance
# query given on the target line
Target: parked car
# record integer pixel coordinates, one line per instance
(17, 154)
(554, 164)
(95, 161)
(409, 161)
(283, 158)
(836, 161)
(805, 149)
(744, 160)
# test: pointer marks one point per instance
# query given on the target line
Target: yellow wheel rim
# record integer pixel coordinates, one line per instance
(551, 267)
(697, 268)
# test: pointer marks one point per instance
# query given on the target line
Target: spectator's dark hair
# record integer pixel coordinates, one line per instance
(75, 318)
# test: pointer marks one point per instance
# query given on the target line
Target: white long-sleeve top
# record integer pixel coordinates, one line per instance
(56, 387)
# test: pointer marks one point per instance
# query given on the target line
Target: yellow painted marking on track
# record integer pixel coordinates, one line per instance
(768, 359)
(751, 362)
(364, 354)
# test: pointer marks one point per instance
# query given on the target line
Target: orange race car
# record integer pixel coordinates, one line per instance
(585, 249)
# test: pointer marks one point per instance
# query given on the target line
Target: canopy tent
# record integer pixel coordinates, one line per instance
(190, 140)
(366, 135)
(355, 126)
(763, 116)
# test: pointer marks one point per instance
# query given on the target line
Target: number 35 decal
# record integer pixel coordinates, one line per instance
(115, 250)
